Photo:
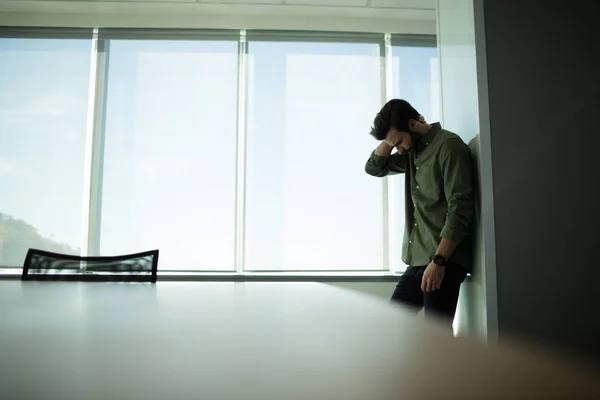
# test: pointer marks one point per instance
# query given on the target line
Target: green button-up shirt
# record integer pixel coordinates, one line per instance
(438, 195)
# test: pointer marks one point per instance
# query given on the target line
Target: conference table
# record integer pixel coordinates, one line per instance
(262, 341)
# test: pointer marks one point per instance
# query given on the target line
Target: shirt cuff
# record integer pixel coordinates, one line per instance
(451, 233)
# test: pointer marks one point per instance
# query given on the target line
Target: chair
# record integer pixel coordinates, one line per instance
(45, 265)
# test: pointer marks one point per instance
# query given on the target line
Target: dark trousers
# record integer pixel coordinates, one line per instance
(439, 303)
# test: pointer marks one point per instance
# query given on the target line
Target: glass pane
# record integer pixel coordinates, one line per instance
(169, 157)
(310, 205)
(416, 79)
(44, 87)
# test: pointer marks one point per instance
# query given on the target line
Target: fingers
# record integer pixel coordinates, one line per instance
(427, 283)
(430, 283)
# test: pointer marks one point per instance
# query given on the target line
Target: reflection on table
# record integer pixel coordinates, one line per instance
(66, 340)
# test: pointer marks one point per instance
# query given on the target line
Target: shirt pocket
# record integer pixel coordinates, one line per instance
(429, 182)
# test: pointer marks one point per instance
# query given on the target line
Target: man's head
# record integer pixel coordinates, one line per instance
(400, 125)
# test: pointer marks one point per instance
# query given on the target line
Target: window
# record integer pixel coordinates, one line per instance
(310, 205)
(416, 79)
(44, 86)
(170, 152)
(226, 155)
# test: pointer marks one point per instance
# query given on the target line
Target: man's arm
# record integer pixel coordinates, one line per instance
(382, 162)
(457, 170)
(446, 248)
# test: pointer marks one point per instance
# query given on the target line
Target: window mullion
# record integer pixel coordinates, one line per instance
(240, 177)
(94, 148)
(389, 184)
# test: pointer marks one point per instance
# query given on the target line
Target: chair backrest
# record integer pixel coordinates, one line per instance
(45, 265)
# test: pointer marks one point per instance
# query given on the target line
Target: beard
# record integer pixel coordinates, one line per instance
(415, 138)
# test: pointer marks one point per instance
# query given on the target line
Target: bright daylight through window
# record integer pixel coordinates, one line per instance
(310, 206)
(43, 111)
(170, 152)
(228, 151)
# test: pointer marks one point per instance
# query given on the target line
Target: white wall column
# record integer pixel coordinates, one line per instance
(462, 112)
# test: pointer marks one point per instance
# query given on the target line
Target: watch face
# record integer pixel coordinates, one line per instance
(439, 260)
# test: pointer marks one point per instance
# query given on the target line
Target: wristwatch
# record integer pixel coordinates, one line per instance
(439, 260)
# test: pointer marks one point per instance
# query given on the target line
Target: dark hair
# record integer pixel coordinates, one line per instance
(395, 114)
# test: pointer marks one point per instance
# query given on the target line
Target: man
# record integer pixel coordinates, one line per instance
(439, 205)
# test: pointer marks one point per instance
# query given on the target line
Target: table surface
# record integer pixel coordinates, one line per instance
(258, 341)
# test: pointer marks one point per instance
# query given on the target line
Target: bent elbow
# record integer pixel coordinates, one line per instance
(375, 171)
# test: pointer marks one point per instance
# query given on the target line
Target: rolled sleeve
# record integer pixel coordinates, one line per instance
(381, 166)
(458, 187)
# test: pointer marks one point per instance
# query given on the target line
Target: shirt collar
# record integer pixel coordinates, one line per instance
(429, 136)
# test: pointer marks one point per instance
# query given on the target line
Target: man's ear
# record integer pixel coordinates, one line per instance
(412, 124)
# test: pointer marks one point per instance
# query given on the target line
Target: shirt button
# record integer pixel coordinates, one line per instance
(417, 186)
(417, 168)
(415, 224)
(410, 241)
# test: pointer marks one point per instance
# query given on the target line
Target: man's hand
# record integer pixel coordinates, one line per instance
(432, 277)
(384, 149)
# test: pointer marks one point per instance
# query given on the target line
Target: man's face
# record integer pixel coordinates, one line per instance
(402, 141)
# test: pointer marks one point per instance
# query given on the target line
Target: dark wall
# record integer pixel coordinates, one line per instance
(543, 66)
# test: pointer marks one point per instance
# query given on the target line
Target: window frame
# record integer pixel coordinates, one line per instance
(20, 32)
